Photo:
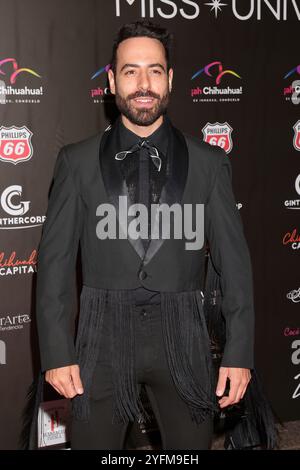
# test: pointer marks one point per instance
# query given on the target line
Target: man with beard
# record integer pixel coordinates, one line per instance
(141, 319)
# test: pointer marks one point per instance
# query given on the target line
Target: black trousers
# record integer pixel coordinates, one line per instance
(176, 427)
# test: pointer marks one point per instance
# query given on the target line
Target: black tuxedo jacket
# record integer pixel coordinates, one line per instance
(87, 175)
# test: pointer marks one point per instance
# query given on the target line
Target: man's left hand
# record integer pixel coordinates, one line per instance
(239, 379)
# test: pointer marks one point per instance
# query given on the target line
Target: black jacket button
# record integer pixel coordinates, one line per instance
(142, 275)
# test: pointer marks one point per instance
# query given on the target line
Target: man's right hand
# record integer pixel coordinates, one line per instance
(65, 380)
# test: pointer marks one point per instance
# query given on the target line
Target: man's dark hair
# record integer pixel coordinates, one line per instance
(147, 29)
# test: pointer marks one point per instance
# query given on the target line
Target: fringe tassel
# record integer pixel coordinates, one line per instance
(261, 415)
(251, 422)
(182, 322)
(28, 439)
(255, 426)
(212, 309)
(92, 307)
(127, 402)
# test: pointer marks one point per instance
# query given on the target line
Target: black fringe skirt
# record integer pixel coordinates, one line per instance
(183, 322)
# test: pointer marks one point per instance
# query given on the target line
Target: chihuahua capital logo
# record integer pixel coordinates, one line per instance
(15, 144)
(218, 134)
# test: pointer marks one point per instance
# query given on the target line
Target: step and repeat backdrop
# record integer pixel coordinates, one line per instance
(236, 85)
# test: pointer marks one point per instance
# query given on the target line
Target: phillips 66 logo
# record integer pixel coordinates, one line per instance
(218, 134)
(15, 144)
(296, 140)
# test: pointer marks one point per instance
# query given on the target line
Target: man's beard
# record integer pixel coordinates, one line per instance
(142, 116)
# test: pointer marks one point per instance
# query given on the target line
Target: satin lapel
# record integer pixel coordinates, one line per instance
(172, 191)
(114, 184)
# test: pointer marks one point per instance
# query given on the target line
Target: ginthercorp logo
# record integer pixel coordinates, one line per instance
(99, 92)
(291, 239)
(10, 72)
(281, 10)
(292, 92)
(11, 202)
(15, 144)
(296, 139)
(212, 79)
(218, 134)
(294, 203)
(2, 353)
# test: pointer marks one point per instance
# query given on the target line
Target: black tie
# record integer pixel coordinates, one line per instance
(152, 152)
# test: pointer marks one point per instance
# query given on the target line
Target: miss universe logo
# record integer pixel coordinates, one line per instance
(242, 10)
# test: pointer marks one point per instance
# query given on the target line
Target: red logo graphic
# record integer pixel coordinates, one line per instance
(296, 140)
(16, 68)
(13, 261)
(15, 144)
(218, 134)
(292, 239)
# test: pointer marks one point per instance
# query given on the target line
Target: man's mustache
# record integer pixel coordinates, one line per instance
(145, 94)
